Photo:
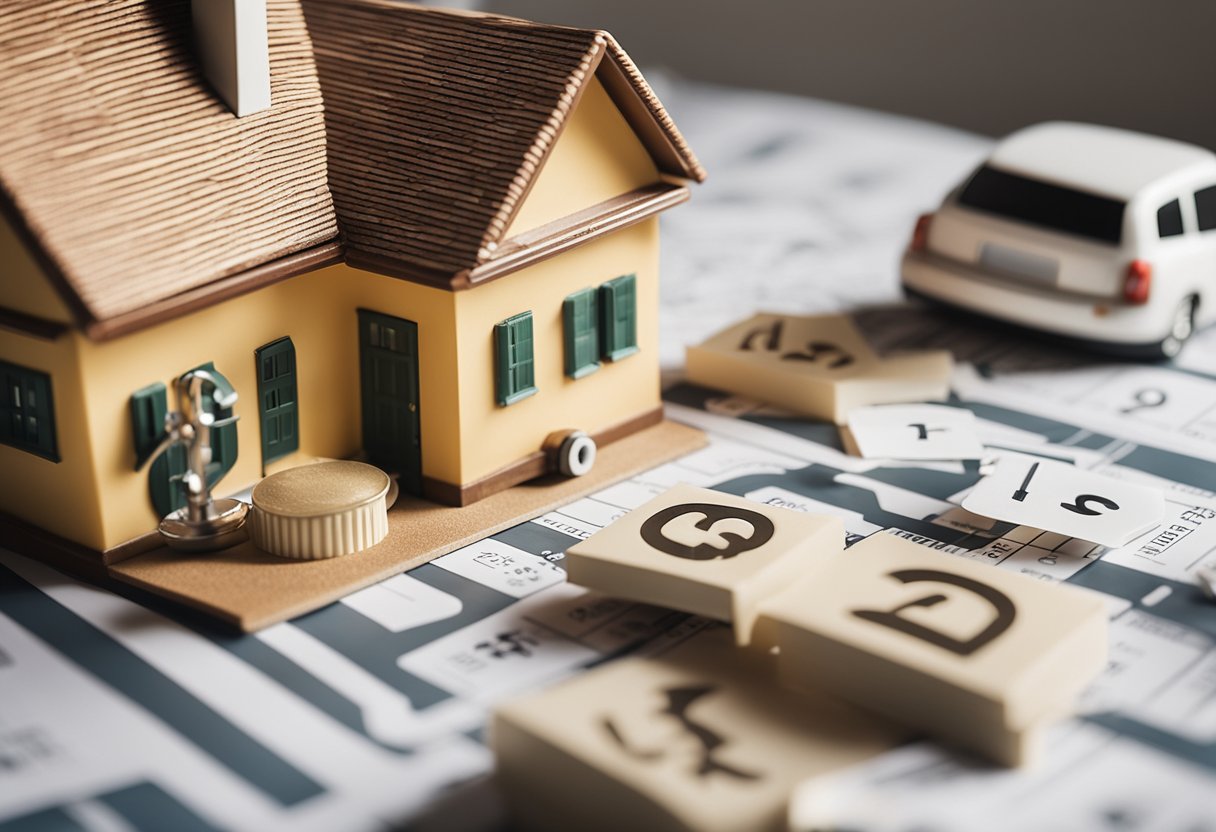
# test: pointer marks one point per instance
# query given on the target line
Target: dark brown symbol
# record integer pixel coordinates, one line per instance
(773, 340)
(679, 701)
(1081, 505)
(923, 431)
(1022, 493)
(762, 531)
(512, 642)
(1147, 398)
(1001, 605)
(822, 349)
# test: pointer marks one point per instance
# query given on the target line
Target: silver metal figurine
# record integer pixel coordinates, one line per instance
(203, 524)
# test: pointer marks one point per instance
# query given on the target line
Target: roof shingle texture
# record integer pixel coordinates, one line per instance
(439, 120)
(415, 131)
(136, 180)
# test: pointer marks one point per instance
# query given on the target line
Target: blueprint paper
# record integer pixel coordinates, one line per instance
(115, 711)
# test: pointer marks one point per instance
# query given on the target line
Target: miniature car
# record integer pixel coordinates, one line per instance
(1093, 233)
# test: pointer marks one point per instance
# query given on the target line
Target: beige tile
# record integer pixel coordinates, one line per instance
(705, 552)
(820, 366)
(971, 654)
(700, 738)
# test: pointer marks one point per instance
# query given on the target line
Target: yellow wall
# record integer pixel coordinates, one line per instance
(227, 335)
(57, 496)
(597, 157)
(496, 436)
(23, 287)
(96, 498)
(318, 311)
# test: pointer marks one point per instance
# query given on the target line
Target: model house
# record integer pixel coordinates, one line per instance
(435, 245)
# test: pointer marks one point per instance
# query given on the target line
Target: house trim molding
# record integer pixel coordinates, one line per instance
(533, 465)
(32, 325)
(537, 245)
(233, 286)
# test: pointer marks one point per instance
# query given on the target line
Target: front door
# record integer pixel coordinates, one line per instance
(388, 364)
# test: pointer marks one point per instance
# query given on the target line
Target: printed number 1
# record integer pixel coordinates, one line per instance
(923, 430)
(1081, 505)
(1021, 494)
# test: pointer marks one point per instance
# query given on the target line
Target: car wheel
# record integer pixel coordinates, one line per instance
(1181, 328)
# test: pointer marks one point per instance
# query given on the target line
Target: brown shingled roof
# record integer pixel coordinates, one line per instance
(142, 193)
(438, 121)
(132, 177)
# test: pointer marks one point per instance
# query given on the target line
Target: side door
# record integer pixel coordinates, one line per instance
(388, 367)
(278, 408)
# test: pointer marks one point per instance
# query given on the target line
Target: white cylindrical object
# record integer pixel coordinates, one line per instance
(320, 511)
(576, 456)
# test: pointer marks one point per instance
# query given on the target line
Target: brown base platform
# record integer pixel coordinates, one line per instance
(250, 589)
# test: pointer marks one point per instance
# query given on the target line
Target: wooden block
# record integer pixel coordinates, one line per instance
(975, 655)
(820, 366)
(705, 552)
(701, 738)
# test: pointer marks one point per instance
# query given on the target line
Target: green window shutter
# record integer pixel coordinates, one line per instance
(148, 406)
(514, 363)
(580, 332)
(223, 439)
(278, 407)
(618, 318)
(27, 414)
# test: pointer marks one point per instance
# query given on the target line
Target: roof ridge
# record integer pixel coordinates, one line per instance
(411, 7)
(543, 144)
(656, 108)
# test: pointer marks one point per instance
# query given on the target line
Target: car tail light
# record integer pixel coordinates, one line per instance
(1138, 282)
(920, 235)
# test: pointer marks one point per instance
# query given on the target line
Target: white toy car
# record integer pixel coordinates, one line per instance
(1089, 232)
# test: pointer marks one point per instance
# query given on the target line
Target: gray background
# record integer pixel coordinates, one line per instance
(985, 65)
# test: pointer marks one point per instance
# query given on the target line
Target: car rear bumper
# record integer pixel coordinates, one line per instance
(1073, 316)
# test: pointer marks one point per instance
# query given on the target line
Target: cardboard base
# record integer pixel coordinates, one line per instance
(250, 589)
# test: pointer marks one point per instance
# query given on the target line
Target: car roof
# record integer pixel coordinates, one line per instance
(1102, 160)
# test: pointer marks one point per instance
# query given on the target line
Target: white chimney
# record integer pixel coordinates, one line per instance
(230, 36)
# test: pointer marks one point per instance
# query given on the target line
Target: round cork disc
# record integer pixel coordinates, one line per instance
(320, 511)
(320, 489)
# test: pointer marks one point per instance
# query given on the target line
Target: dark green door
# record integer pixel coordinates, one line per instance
(388, 359)
(277, 407)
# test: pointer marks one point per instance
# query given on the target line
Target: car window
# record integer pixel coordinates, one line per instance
(1043, 204)
(1169, 219)
(1205, 208)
